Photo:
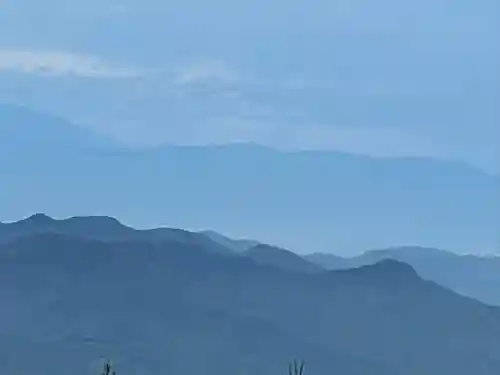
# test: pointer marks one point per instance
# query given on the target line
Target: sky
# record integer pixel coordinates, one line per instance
(384, 78)
(380, 78)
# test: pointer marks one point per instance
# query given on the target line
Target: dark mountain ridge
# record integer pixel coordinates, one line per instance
(470, 275)
(172, 305)
(386, 270)
(281, 258)
(102, 228)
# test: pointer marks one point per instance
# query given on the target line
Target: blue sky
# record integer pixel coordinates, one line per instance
(382, 78)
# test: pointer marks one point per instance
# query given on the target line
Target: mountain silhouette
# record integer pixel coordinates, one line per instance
(471, 275)
(172, 306)
(281, 258)
(37, 132)
(102, 228)
(315, 200)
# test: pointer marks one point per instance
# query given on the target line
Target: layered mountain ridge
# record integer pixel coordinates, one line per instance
(78, 289)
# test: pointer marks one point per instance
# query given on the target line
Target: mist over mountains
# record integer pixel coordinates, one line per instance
(376, 78)
(315, 201)
(84, 288)
(254, 183)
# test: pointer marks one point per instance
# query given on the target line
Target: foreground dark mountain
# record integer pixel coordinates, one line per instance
(173, 307)
(104, 229)
(313, 200)
(471, 275)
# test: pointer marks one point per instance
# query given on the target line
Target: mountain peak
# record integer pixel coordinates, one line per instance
(39, 218)
(102, 220)
(386, 270)
(266, 247)
(23, 128)
(394, 267)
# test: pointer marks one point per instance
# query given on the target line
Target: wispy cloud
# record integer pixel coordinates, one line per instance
(213, 102)
(208, 71)
(57, 63)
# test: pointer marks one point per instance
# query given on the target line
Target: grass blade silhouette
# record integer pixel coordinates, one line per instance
(107, 369)
(295, 369)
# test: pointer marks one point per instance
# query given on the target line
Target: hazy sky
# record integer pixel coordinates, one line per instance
(378, 77)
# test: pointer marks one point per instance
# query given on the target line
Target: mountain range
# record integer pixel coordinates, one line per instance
(315, 200)
(257, 184)
(371, 90)
(78, 290)
(103, 229)
(471, 275)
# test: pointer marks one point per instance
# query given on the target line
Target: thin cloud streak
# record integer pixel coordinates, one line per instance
(57, 63)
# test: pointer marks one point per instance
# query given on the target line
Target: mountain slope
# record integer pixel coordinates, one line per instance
(39, 132)
(328, 261)
(238, 245)
(281, 258)
(168, 306)
(104, 229)
(471, 275)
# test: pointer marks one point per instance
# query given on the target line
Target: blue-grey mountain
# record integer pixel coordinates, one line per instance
(319, 201)
(177, 307)
(471, 275)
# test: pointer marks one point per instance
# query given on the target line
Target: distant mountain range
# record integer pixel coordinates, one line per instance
(319, 201)
(74, 291)
(26, 130)
(471, 275)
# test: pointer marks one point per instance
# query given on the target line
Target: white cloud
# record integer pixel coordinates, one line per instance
(57, 63)
(208, 71)
(211, 102)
